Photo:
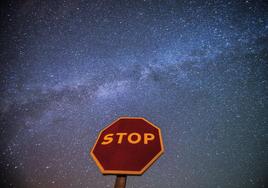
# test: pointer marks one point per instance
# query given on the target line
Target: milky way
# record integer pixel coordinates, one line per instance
(195, 69)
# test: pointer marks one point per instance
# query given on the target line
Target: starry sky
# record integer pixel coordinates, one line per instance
(196, 69)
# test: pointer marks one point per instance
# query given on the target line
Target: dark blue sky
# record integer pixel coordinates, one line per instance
(196, 69)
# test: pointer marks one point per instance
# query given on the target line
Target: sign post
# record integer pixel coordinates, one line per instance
(121, 181)
(128, 146)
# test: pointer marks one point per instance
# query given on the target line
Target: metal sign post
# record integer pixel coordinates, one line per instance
(120, 181)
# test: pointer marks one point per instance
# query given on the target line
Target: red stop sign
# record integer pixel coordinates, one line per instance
(129, 145)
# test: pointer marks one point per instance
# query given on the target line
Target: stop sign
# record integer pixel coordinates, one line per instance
(129, 145)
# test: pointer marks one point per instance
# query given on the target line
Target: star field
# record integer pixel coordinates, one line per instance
(196, 69)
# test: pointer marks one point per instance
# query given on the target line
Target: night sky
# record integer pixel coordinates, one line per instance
(195, 69)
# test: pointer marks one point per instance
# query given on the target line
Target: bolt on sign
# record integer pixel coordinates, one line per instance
(128, 146)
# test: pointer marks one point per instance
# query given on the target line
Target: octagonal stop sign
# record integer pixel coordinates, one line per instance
(128, 146)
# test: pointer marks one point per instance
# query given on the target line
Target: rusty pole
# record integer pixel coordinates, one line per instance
(120, 181)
